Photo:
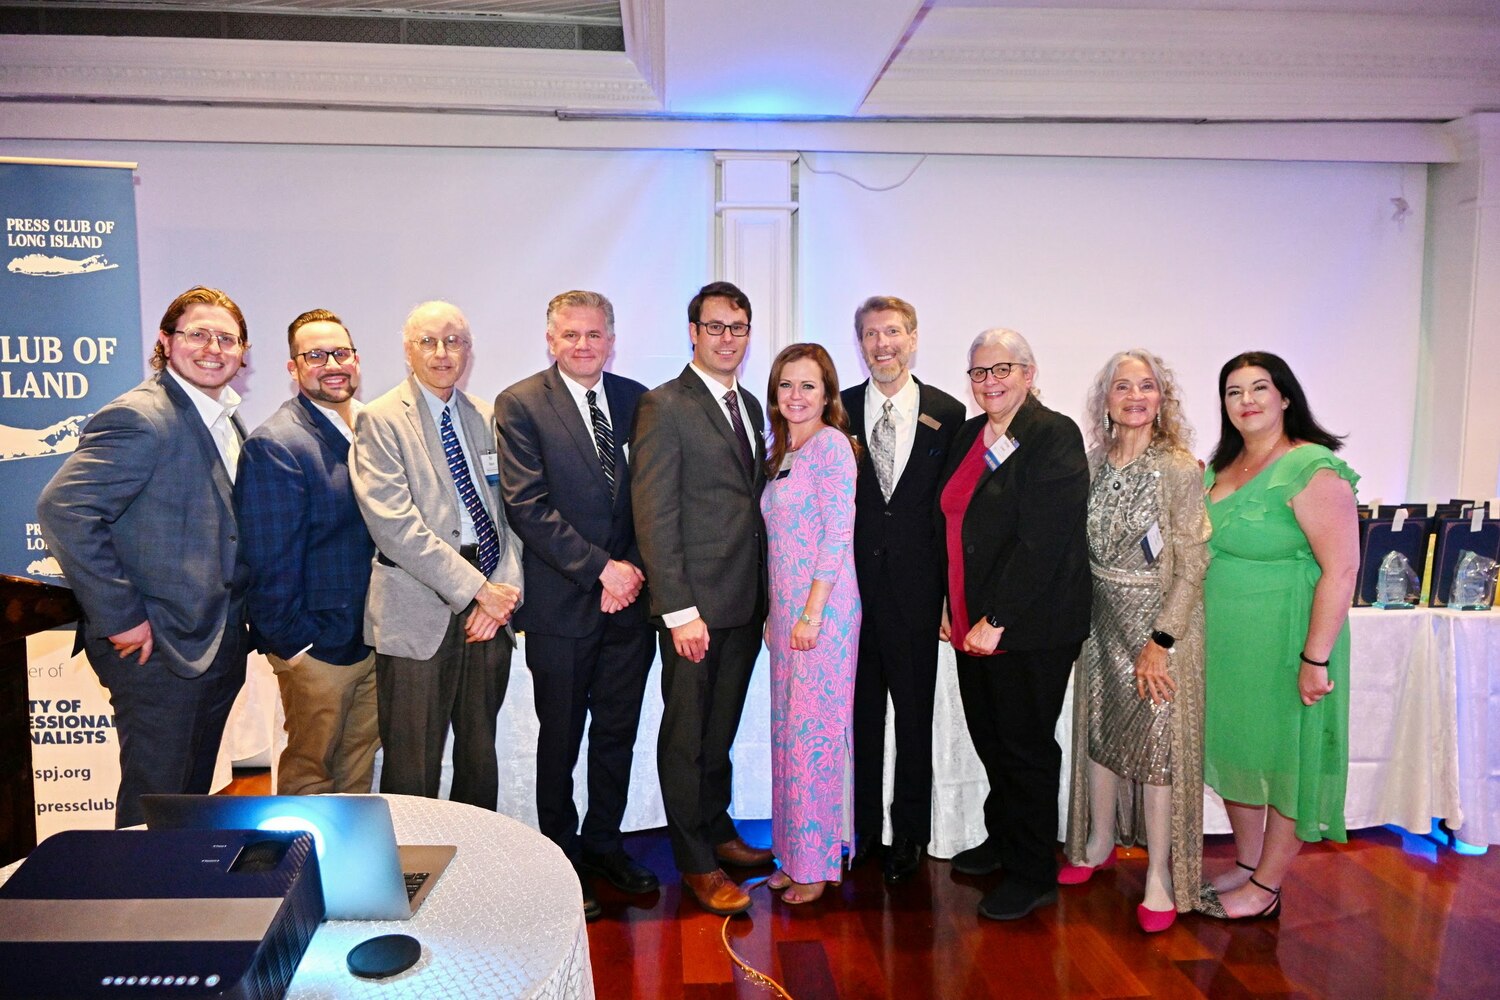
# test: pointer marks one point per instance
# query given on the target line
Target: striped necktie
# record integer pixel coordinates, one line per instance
(484, 528)
(604, 438)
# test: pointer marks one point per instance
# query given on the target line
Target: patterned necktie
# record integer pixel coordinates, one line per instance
(604, 438)
(883, 450)
(484, 528)
(747, 456)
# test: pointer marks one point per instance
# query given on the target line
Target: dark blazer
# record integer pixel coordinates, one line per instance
(1025, 549)
(697, 510)
(558, 501)
(897, 540)
(306, 550)
(142, 521)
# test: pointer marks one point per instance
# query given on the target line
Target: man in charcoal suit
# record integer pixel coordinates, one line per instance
(566, 484)
(906, 429)
(697, 474)
(141, 519)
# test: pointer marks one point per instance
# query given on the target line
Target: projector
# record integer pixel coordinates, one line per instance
(159, 913)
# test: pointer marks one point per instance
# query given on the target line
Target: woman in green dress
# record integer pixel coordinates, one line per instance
(1285, 550)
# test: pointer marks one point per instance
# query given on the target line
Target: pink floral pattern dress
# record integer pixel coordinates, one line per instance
(809, 515)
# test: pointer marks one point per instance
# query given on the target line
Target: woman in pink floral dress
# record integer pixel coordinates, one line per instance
(812, 631)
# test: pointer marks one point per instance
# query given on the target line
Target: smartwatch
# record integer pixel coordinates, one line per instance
(1164, 640)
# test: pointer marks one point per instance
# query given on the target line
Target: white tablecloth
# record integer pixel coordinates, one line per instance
(1424, 700)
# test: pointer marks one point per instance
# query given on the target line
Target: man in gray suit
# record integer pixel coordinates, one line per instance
(447, 573)
(142, 521)
(697, 476)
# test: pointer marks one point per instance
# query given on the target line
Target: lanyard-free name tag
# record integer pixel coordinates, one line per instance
(490, 463)
(1152, 543)
(997, 453)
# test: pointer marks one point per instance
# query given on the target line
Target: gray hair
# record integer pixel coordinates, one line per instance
(1172, 431)
(578, 299)
(1014, 344)
(445, 309)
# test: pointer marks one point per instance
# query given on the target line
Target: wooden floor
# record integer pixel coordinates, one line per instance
(1386, 915)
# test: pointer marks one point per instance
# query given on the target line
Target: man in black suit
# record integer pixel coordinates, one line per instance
(697, 478)
(906, 429)
(566, 485)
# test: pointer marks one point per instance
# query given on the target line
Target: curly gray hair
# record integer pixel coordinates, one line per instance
(1172, 431)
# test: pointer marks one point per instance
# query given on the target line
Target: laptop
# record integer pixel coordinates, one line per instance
(365, 875)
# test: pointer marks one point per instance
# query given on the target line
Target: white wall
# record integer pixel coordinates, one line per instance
(371, 231)
(1197, 260)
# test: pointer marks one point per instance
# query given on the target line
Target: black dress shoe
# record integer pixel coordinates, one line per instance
(1012, 900)
(979, 860)
(864, 850)
(591, 909)
(620, 871)
(902, 859)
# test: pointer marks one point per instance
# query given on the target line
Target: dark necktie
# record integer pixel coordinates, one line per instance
(604, 438)
(747, 455)
(484, 528)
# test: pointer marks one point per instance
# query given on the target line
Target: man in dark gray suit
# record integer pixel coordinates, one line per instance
(142, 521)
(447, 572)
(563, 435)
(697, 477)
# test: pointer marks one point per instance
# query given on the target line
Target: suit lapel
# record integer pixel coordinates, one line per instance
(425, 429)
(322, 427)
(1020, 426)
(718, 417)
(481, 440)
(200, 432)
(566, 409)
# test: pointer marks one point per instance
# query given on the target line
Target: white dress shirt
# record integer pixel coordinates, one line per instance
(215, 414)
(467, 535)
(908, 403)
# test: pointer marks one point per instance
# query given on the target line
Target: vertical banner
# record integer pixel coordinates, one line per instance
(70, 341)
(70, 337)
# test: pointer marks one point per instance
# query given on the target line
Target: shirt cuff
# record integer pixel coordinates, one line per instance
(672, 619)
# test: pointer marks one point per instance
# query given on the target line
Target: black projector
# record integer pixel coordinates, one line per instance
(159, 913)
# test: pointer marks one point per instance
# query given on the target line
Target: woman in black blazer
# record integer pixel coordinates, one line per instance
(1012, 508)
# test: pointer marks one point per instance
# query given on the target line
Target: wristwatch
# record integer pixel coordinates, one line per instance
(994, 621)
(1164, 640)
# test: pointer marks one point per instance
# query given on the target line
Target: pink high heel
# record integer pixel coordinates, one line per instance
(1071, 874)
(1155, 921)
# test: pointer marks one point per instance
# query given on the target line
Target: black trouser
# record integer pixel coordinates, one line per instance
(894, 658)
(462, 683)
(699, 720)
(1012, 702)
(601, 676)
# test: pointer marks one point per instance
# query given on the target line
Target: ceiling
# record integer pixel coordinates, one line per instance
(972, 60)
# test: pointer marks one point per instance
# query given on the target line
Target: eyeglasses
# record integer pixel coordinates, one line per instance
(453, 342)
(717, 329)
(317, 358)
(1000, 369)
(195, 337)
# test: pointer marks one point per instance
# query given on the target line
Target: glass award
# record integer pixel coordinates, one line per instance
(1397, 585)
(1473, 582)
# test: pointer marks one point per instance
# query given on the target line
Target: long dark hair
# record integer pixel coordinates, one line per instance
(1297, 420)
(834, 414)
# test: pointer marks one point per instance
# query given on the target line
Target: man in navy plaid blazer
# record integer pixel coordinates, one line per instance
(308, 554)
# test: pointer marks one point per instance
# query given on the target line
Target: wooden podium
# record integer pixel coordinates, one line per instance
(26, 607)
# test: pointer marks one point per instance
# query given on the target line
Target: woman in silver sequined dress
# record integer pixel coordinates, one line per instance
(1137, 767)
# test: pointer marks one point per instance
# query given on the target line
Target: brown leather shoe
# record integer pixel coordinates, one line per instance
(716, 893)
(741, 855)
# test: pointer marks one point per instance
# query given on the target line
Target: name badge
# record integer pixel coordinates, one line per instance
(490, 463)
(998, 452)
(1152, 543)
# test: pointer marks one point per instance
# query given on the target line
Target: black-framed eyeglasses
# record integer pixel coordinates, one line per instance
(1000, 369)
(317, 358)
(717, 329)
(199, 338)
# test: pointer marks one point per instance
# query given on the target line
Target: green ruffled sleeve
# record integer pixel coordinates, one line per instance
(1291, 475)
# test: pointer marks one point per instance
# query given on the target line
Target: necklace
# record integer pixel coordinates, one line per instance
(1251, 469)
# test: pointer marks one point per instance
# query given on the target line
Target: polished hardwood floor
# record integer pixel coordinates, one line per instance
(1388, 914)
